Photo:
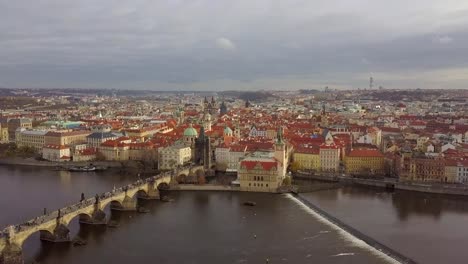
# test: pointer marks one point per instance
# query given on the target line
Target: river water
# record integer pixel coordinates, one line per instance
(198, 227)
(427, 228)
(214, 227)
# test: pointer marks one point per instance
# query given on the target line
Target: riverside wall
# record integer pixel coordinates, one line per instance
(434, 188)
(37, 163)
(356, 233)
(205, 187)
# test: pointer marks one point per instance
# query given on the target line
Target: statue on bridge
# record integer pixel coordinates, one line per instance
(97, 199)
(82, 197)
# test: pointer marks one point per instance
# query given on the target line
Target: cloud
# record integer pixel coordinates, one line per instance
(444, 40)
(254, 44)
(226, 44)
(365, 61)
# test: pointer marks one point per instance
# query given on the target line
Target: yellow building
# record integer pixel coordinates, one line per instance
(67, 137)
(4, 134)
(259, 175)
(147, 132)
(116, 150)
(307, 158)
(264, 174)
(365, 162)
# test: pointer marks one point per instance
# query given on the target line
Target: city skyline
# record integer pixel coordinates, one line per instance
(210, 46)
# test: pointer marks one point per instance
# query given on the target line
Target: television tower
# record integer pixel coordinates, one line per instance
(371, 83)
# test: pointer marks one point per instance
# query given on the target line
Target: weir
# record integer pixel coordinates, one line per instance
(53, 227)
(354, 232)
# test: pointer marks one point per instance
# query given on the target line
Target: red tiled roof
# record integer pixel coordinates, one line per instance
(365, 153)
(308, 150)
(266, 165)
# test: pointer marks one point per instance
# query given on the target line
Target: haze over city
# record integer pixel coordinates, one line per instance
(240, 45)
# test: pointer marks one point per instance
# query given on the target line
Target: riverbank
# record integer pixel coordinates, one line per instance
(355, 233)
(393, 184)
(37, 163)
(205, 187)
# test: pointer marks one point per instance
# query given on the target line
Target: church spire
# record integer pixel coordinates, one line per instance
(279, 136)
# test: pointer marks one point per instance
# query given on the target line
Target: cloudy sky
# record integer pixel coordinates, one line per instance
(241, 44)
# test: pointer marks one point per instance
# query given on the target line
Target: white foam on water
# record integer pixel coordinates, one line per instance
(343, 233)
(311, 237)
(343, 254)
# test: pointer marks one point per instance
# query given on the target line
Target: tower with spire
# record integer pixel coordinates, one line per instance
(237, 132)
(280, 154)
(203, 150)
(223, 109)
(207, 122)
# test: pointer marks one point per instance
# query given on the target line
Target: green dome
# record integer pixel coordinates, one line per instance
(190, 132)
(227, 131)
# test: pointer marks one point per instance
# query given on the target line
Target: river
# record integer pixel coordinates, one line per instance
(425, 227)
(198, 227)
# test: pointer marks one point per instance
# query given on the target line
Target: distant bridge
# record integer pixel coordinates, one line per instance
(53, 227)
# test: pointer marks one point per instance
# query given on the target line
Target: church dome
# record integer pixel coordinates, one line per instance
(227, 131)
(190, 132)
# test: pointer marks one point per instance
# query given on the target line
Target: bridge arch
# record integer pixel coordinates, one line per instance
(66, 219)
(141, 193)
(116, 204)
(163, 186)
(43, 232)
(200, 172)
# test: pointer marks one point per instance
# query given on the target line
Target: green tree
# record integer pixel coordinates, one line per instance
(294, 167)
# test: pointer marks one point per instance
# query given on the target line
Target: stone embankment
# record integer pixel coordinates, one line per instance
(434, 188)
(205, 187)
(37, 163)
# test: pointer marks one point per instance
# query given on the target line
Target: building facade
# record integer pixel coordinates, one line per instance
(31, 138)
(56, 153)
(257, 174)
(173, 156)
(307, 158)
(365, 162)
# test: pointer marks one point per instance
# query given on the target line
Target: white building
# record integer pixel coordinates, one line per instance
(173, 156)
(329, 157)
(56, 153)
(255, 132)
(231, 156)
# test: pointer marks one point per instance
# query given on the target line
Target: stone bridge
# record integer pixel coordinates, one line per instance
(53, 227)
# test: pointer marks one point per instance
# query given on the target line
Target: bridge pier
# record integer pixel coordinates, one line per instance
(60, 234)
(151, 194)
(128, 204)
(97, 218)
(11, 254)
